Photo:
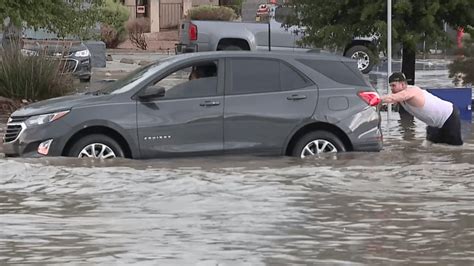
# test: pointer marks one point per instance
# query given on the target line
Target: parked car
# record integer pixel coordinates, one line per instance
(74, 55)
(209, 103)
(202, 36)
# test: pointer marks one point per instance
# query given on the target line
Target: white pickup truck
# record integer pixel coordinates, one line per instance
(200, 36)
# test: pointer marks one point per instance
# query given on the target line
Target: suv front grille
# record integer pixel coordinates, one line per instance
(69, 65)
(14, 128)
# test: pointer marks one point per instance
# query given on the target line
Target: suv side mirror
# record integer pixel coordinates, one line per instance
(152, 92)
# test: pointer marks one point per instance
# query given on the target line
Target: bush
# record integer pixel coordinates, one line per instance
(110, 36)
(136, 31)
(34, 77)
(112, 30)
(209, 12)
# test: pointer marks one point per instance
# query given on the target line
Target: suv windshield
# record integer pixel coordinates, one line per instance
(131, 80)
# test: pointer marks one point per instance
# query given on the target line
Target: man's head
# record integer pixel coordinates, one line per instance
(203, 71)
(397, 82)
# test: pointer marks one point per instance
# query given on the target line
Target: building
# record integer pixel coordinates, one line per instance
(163, 14)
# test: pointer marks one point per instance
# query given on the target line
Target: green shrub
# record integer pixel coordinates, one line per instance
(34, 77)
(112, 30)
(209, 12)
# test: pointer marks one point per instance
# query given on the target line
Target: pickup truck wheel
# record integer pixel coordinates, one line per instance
(96, 146)
(231, 48)
(365, 58)
(317, 142)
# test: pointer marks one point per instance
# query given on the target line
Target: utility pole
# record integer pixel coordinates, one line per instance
(269, 34)
(389, 51)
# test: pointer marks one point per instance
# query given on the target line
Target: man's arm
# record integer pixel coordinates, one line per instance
(402, 96)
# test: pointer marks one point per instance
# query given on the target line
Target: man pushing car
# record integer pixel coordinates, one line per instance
(441, 117)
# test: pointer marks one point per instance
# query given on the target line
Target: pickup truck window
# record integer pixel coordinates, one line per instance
(283, 13)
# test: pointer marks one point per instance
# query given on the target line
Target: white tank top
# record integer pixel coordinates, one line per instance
(435, 111)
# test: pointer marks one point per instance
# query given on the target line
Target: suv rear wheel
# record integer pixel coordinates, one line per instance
(317, 142)
(96, 146)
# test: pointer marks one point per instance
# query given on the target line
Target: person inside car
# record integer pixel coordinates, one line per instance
(203, 71)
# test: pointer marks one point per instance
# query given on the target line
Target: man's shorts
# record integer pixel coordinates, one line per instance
(449, 133)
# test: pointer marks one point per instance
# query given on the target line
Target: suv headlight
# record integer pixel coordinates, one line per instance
(44, 119)
(82, 53)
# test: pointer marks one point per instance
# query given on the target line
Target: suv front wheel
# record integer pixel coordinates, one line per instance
(317, 142)
(96, 146)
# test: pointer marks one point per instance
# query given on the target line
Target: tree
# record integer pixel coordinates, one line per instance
(62, 17)
(333, 23)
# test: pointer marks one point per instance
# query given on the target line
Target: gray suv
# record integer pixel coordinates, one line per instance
(209, 103)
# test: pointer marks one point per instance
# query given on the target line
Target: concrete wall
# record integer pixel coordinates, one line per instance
(154, 15)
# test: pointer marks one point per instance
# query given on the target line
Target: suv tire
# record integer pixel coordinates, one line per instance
(364, 56)
(96, 146)
(317, 142)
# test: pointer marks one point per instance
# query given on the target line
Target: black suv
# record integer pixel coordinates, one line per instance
(74, 55)
(209, 103)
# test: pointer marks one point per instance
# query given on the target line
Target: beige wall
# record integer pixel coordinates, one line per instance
(187, 4)
(130, 4)
(154, 15)
(205, 2)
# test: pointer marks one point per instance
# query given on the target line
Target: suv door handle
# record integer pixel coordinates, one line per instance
(209, 103)
(296, 97)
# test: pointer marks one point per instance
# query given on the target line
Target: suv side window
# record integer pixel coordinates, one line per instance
(254, 75)
(192, 81)
(290, 79)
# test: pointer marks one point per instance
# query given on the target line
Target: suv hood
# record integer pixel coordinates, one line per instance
(60, 104)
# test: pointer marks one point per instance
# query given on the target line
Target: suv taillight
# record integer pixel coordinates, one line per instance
(370, 97)
(193, 32)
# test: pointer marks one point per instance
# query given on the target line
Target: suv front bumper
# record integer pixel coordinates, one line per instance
(27, 142)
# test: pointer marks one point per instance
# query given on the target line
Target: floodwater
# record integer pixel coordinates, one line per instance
(409, 204)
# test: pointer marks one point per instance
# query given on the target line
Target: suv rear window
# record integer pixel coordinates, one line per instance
(341, 72)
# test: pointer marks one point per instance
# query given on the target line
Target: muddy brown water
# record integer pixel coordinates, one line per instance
(409, 204)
